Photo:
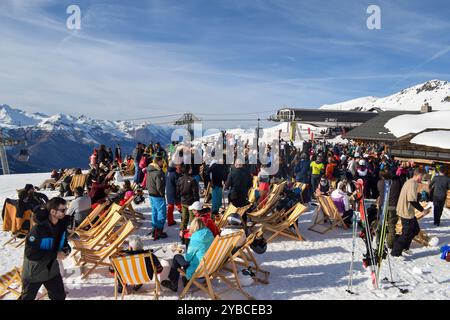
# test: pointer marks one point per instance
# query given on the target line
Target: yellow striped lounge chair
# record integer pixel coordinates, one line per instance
(132, 270)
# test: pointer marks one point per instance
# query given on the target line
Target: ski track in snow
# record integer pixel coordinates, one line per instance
(314, 269)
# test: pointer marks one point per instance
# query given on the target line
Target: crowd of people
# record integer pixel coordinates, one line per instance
(172, 179)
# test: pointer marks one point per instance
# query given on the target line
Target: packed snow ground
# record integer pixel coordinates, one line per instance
(314, 269)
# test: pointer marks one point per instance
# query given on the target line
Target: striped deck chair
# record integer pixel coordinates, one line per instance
(98, 257)
(132, 270)
(244, 257)
(9, 281)
(287, 227)
(211, 266)
(78, 180)
(95, 225)
(103, 237)
(270, 203)
(326, 211)
(231, 209)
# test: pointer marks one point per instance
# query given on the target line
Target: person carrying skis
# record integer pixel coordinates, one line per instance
(407, 202)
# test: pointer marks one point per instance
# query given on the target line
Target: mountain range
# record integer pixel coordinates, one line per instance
(61, 140)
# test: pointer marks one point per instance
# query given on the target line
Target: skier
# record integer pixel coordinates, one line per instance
(156, 186)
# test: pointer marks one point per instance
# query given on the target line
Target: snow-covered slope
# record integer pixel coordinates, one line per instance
(316, 268)
(435, 92)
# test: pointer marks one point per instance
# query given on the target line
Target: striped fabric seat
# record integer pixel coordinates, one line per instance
(78, 180)
(8, 280)
(132, 270)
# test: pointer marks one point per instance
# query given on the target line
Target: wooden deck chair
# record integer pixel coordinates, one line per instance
(288, 227)
(272, 200)
(207, 194)
(103, 237)
(96, 224)
(244, 256)
(92, 219)
(230, 210)
(66, 173)
(128, 211)
(98, 257)
(132, 270)
(210, 267)
(422, 238)
(302, 186)
(326, 211)
(110, 176)
(78, 180)
(8, 281)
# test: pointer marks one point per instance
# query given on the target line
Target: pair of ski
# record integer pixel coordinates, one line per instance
(372, 259)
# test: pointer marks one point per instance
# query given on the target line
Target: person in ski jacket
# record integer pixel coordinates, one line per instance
(171, 193)
(439, 186)
(45, 244)
(102, 155)
(239, 181)
(406, 204)
(137, 154)
(342, 201)
(156, 186)
(303, 169)
(217, 175)
(188, 192)
(93, 159)
(199, 244)
(317, 169)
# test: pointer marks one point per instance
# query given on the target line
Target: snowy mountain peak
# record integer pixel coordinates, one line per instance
(11, 117)
(435, 92)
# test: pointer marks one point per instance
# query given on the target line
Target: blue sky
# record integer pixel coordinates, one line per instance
(135, 59)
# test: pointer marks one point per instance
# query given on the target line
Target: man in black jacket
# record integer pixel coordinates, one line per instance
(156, 186)
(188, 192)
(217, 175)
(46, 243)
(239, 181)
(438, 187)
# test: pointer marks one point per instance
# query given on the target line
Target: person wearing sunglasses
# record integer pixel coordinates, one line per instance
(46, 243)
